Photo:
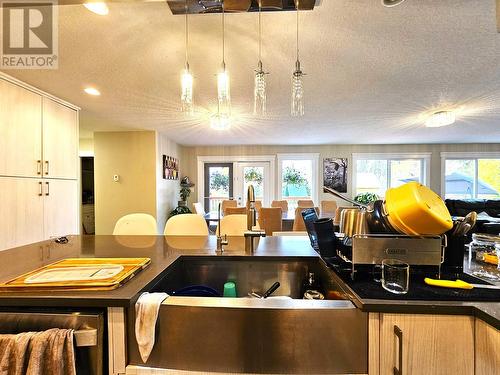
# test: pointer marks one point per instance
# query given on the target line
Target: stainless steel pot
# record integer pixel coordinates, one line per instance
(348, 219)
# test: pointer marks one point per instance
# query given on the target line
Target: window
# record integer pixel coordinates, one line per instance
(471, 176)
(298, 178)
(375, 173)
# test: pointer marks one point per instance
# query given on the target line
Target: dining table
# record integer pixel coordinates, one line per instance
(287, 218)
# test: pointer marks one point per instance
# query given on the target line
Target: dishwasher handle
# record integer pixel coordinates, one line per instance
(85, 337)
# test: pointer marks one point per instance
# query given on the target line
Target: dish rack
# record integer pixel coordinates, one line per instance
(371, 249)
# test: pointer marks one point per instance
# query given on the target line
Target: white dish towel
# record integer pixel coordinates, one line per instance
(146, 314)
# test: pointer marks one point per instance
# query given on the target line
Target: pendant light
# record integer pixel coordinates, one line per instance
(297, 108)
(221, 120)
(186, 77)
(259, 106)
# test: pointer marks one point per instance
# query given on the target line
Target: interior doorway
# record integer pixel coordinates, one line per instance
(88, 212)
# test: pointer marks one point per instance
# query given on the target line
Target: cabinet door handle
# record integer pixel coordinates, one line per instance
(46, 167)
(399, 335)
(48, 189)
(38, 167)
(40, 192)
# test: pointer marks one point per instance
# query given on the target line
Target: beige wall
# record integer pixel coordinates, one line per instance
(167, 191)
(190, 155)
(132, 156)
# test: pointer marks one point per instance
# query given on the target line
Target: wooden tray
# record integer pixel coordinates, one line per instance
(128, 268)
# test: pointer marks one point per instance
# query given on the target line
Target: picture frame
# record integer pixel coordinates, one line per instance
(170, 168)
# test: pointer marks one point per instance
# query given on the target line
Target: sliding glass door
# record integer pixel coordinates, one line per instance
(218, 184)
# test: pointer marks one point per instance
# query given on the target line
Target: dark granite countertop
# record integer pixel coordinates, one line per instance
(164, 251)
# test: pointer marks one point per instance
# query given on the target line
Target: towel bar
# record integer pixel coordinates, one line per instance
(85, 337)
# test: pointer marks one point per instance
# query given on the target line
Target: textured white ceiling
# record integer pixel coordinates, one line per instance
(372, 72)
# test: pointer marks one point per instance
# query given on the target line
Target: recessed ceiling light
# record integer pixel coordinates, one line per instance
(441, 118)
(98, 8)
(92, 91)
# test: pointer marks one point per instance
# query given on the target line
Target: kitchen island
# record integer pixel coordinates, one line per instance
(165, 252)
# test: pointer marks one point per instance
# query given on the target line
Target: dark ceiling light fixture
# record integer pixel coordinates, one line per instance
(237, 6)
(391, 3)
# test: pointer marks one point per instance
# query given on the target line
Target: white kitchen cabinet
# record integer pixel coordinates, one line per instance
(21, 211)
(426, 344)
(60, 140)
(38, 150)
(34, 209)
(20, 131)
(60, 213)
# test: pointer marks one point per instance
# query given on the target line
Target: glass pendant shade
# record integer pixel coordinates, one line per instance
(297, 108)
(259, 106)
(187, 91)
(223, 93)
(220, 122)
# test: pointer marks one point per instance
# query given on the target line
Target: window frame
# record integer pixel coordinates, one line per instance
(425, 168)
(314, 157)
(464, 156)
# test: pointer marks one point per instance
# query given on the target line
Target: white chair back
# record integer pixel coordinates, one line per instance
(186, 225)
(198, 208)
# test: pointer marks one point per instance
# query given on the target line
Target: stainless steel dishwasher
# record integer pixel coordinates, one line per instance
(88, 326)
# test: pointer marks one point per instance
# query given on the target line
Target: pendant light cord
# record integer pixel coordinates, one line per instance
(223, 39)
(297, 8)
(260, 32)
(187, 32)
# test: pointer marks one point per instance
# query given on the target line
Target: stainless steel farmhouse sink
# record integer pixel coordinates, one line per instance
(248, 335)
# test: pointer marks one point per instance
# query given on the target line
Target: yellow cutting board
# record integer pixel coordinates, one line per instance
(78, 274)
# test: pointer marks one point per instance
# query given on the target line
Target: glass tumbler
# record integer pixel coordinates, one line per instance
(395, 276)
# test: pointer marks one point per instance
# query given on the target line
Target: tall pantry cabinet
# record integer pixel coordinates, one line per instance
(38, 165)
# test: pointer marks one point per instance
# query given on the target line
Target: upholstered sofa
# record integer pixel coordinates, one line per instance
(458, 207)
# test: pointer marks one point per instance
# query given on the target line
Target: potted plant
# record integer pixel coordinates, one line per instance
(185, 192)
(366, 198)
(294, 178)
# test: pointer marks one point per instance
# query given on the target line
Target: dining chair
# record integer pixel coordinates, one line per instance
(298, 222)
(283, 204)
(258, 205)
(305, 203)
(198, 209)
(228, 203)
(136, 224)
(328, 208)
(235, 211)
(270, 220)
(232, 225)
(186, 225)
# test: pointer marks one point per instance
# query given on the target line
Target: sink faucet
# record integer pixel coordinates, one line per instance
(251, 233)
(221, 241)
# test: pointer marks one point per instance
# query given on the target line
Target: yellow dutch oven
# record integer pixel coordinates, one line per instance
(415, 209)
